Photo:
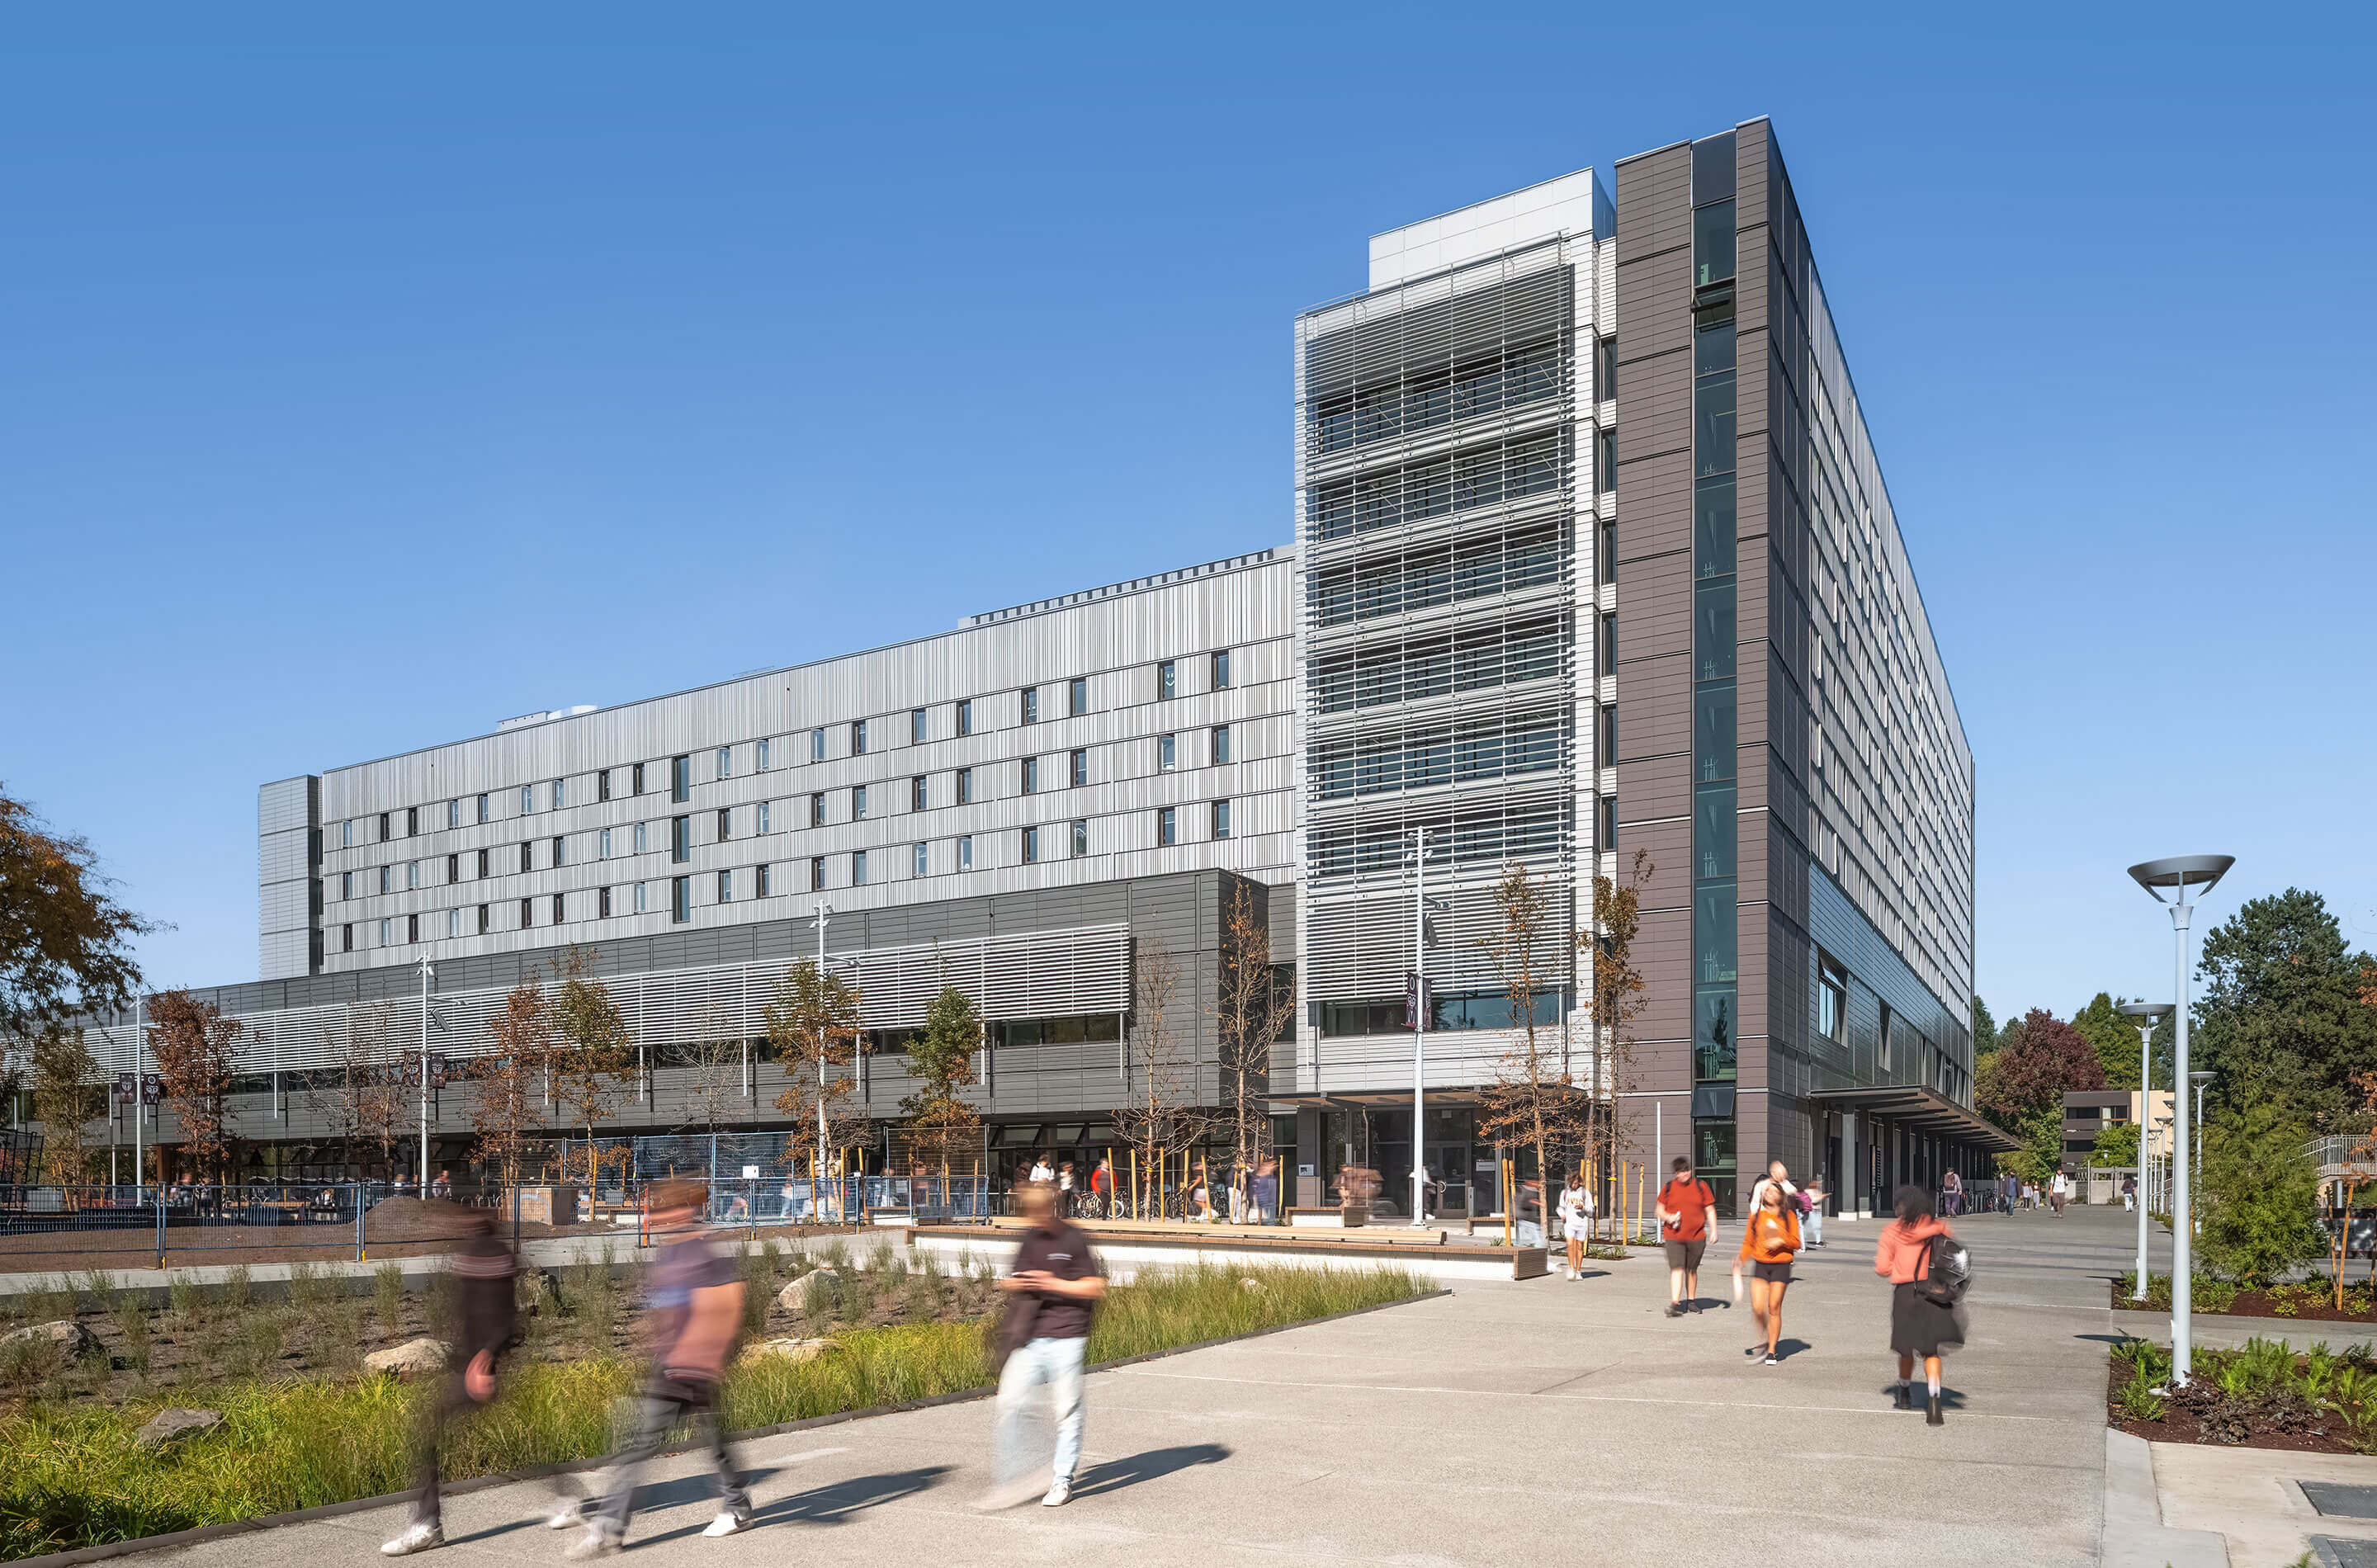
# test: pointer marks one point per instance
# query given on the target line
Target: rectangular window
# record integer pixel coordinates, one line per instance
(921, 864)
(346, 938)
(453, 923)
(413, 927)
(916, 726)
(965, 853)
(725, 824)
(1604, 369)
(1031, 704)
(485, 813)
(858, 867)
(1081, 838)
(680, 839)
(1605, 554)
(383, 827)
(601, 903)
(858, 803)
(1832, 997)
(767, 874)
(1713, 244)
(482, 865)
(965, 716)
(1167, 680)
(817, 873)
(1608, 664)
(1077, 697)
(602, 845)
(486, 917)
(412, 821)
(346, 885)
(558, 797)
(1031, 846)
(965, 786)
(453, 814)
(725, 761)
(817, 809)
(528, 913)
(1031, 775)
(916, 793)
(642, 905)
(680, 778)
(1606, 742)
(347, 829)
(1167, 828)
(858, 737)
(759, 758)
(1222, 670)
(725, 887)
(642, 844)
(1605, 460)
(1221, 743)
(1081, 769)
(760, 814)
(680, 899)
(412, 875)
(636, 779)
(1221, 819)
(1168, 753)
(453, 869)
(1608, 835)
(817, 744)
(556, 909)
(602, 783)
(528, 799)
(560, 851)
(384, 887)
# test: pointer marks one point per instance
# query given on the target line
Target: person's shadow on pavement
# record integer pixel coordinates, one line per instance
(828, 1504)
(1113, 1475)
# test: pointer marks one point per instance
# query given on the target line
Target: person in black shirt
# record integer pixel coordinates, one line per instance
(487, 1314)
(1051, 1292)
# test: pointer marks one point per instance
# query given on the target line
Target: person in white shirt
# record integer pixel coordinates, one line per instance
(1040, 1171)
(1576, 1221)
(1774, 1173)
(2057, 1190)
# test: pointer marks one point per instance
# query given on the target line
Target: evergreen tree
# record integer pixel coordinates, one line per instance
(2259, 1191)
(2280, 1020)
(2114, 1038)
(1985, 1029)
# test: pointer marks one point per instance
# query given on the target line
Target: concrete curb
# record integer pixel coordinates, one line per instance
(203, 1533)
(2134, 1535)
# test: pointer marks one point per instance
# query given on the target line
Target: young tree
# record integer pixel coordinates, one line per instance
(593, 1050)
(1160, 1115)
(506, 1099)
(67, 1098)
(63, 943)
(1251, 1009)
(361, 1097)
(941, 1061)
(1614, 1001)
(2259, 1190)
(190, 1041)
(814, 1027)
(1533, 1100)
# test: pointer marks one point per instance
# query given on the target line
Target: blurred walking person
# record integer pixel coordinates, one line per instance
(2057, 1190)
(1951, 1194)
(487, 1322)
(1052, 1291)
(1685, 1204)
(1811, 1211)
(1768, 1241)
(1921, 1322)
(1576, 1220)
(693, 1311)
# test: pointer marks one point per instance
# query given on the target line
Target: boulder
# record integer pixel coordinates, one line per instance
(73, 1340)
(172, 1426)
(793, 1351)
(414, 1357)
(790, 1297)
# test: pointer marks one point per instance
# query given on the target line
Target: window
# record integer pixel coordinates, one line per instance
(767, 876)
(965, 716)
(602, 783)
(453, 814)
(1604, 369)
(680, 778)
(1221, 743)
(817, 744)
(1605, 554)
(346, 938)
(1168, 753)
(725, 761)
(858, 867)
(1031, 846)
(1031, 704)
(528, 799)
(759, 758)
(680, 899)
(453, 923)
(916, 726)
(482, 865)
(413, 927)
(528, 913)
(1832, 997)
(759, 818)
(817, 873)
(1605, 460)
(1167, 680)
(557, 801)
(1608, 663)
(725, 824)
(680, 839)
(1221, 819)
(412, 821)
(556, 909)
(384, 887)
(858, 803)
(965, 786)
(1081, 769)
(641, 843)
(817, 809)
(640, 905)
(920, 864)
(412, 875)
(1167, 828)
(560, 851)
(347, 831)
(725, 887)
(858, 737)
(602, 845)
(486, 917)
(527, 860)
(1608, 834)
(385, 940)
(1606, 741)
(1031, 775)
(453, 869)
(1713, 244)
(965, 853)
(346, 885)
(383, 827)
(1077, 697)
(601, 903)
(636, 779)
(1222, 670)
(1080, 837)
(916, 793)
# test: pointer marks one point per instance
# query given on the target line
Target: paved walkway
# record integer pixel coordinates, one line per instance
(1505, 1423)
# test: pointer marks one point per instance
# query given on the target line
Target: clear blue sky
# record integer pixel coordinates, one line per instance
(358, 391)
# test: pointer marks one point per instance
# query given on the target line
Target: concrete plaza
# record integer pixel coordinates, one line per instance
(1504, 1424)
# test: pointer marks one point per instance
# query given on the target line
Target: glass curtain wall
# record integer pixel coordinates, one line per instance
(1716, 940)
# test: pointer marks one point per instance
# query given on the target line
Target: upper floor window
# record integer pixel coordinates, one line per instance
(528, 799)
(1031, 704)
(1031, 846)
(916, 793)
(1605, 461)
(965, 786)
(602, 845)
(725, 761)
(1222, 670)
(1167, 680)
(965, 853)
(725, 887)
(680, 839)
(965, 716)
(636, 779)
(1832, 997)
(640, 844)
(680, 899)
(766, 884)
(560, 850)
(1713, 244)
(680, 778)
(759, 758)
(916, 726)
(1605, 552)
(483, 863)
(858, 867)
(453, 869)
(725, 824)
(759, 813)
(1604, 369)
(858, 737)
(1167, 827)
(1077, 696)
(817, 873)
(602, 783)
(1221, 819)
(384, 883)
(1080, 837)
(817, 809)
(1081, 769)
(528, 856)
(1221, 743)
(412, 875)
(556, 794)
(485, 812)
(383, 826)
(453, 814)
(1168, 753)
(817, 744)
(858, 803)
(920, 866)
(1031, 775)
(412, 821)
(346, 885)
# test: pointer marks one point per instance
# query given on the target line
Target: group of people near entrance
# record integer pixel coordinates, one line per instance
(1782, 1220)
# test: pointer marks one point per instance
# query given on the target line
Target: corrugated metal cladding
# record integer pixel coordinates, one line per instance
(288, 846)
(1173, 694)
(1445, 450)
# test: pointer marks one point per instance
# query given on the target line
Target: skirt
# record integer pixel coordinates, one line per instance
(1919, 1326)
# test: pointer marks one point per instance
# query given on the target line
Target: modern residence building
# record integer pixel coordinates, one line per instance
(1592, 557)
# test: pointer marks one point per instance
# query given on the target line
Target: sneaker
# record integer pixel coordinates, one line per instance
(596, 1542)
(1675, 1308)
(1058, 1495)
(1771, 1360)
(422, 1537)
(1755, 1350)
(570, 1512)
(728, 1522)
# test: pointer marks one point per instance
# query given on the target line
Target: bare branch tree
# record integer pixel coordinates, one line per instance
(192, 1040)
(1160, 1116)
(1251, 1008)
(593, 1055)
(507, 1100)
(813, 1026)
(1616, 998)
(1534, 1099)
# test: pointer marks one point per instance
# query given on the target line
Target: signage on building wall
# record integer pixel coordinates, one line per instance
(1419, 997)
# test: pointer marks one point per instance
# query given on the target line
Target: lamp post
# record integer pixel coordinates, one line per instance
(1420, 1003)
(2147, 1014)
(2199, 1079)
(817, 1185)
(428, 971)
(2162, 1162)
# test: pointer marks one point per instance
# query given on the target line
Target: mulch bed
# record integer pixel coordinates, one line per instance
(2254, 1304)
(2181, 1424)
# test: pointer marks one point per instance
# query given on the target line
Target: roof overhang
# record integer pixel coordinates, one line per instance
(1925, 1110)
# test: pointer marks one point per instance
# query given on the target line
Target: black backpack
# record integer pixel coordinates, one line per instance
(1948, 1273)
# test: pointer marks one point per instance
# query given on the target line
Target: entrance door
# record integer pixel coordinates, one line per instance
(1451, 1162)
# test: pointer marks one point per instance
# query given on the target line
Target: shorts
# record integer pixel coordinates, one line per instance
(1779, 1274)
(1686, 1255)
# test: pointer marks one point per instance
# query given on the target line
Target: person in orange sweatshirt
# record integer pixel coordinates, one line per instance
(1918, 1325)
(1767, 1243)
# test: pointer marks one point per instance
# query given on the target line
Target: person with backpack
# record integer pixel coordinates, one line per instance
(1768, 1240)
(1685, 1205)
(1918, 1254)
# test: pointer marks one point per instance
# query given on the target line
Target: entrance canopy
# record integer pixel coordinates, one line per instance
(1925, 1110)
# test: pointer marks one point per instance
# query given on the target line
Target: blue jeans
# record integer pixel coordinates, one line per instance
(1056, 1362)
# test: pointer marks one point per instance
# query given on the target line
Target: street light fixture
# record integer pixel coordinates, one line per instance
(2147, 1014)
(2172, 880)
(2199, 1078)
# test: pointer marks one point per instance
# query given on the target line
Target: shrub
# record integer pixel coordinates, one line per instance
(2259, 1193)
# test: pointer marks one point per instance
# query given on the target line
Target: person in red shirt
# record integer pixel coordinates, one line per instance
(1685, 1204)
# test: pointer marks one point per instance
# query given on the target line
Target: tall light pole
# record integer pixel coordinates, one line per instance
(139, 1095)
(2199, 1078)
(2147, 1014)
(1418, 1001)
(428, 971)
(824, 914)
